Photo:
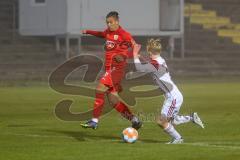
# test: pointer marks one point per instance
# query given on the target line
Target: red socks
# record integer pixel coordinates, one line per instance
(98, 105)
(120, 107)
(124, 110)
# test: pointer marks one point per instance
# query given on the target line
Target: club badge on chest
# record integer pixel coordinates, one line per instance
(115, 37)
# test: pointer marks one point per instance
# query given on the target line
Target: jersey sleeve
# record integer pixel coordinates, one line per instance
(99, 34)
(129, 39)
(131, 42)
(148, 67)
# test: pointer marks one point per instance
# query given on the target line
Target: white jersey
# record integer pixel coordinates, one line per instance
(159, 71)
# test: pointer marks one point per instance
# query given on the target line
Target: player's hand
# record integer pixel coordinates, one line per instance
(137, 48)
(84, 31)
(119, 58)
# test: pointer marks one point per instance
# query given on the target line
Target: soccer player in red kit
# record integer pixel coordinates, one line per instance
(118, 43)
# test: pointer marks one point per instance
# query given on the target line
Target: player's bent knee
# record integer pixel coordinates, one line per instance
(101, 88)
(113, 99)
(99, 91)
(162, 121)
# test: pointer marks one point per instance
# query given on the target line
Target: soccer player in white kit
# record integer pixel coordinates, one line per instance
(169, 116)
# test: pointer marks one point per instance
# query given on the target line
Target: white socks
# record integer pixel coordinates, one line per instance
(170, 130)
(95, 120)
(181, 119)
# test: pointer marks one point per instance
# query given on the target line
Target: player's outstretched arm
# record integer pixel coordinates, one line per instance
(99, 34)
(139, 66)
(136, 50)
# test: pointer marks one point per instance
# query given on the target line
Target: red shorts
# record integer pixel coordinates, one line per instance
(112, 79)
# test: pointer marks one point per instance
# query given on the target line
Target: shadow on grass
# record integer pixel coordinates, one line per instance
(86, 136)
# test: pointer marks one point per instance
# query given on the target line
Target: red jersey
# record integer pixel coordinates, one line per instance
(117, 43)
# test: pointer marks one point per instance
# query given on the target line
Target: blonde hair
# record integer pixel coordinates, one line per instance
(154, 46)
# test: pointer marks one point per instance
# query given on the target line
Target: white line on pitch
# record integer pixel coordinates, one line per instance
(200, 144)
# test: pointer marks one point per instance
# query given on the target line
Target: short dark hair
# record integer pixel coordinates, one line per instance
(113, 14)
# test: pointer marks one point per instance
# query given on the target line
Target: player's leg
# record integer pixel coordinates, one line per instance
(182, 119)
(164, 121)
(116, 76)
(99, 101)
(124, 110)
(120, 106)
(98, 106)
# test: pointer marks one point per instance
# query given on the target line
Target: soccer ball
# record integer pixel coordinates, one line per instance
(130, 135)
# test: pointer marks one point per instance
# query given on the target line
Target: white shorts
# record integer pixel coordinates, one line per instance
(172, 105)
